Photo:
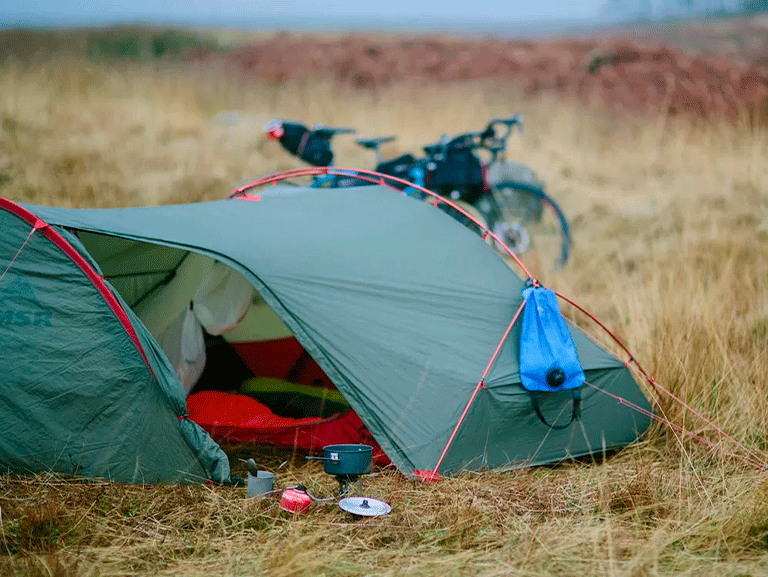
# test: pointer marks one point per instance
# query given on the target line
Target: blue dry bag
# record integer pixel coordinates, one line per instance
(548, 359)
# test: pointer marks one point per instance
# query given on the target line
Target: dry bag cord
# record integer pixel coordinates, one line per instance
(756, 461)
(480, 385)
(38, 225)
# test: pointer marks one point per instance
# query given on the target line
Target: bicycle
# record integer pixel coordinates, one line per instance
(505, 196)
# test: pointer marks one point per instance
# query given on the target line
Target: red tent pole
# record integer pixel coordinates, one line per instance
(385, 180)
(481, 385)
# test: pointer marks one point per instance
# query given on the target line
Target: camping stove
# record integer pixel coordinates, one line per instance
(347, 463)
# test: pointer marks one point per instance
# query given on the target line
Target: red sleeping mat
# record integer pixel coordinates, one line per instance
(239, 418)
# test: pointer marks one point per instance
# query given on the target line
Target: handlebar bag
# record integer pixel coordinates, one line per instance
(306, 144)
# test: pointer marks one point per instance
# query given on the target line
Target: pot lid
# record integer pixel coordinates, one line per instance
(364, 506)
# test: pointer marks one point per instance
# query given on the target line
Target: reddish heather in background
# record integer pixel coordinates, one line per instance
(622, 74)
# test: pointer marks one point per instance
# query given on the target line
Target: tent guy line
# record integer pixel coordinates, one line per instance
(38, 225)
(757, 463)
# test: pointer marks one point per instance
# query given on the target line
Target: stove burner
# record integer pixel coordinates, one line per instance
(346, 480)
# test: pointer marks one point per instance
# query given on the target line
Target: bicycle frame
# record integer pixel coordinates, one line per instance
(475, 190)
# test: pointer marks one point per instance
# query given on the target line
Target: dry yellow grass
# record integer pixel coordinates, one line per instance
(671, 250)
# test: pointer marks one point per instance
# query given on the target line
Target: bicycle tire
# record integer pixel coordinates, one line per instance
(510, 171)
(508, 191)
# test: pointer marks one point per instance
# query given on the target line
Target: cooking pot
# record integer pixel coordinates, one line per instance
(346, 460)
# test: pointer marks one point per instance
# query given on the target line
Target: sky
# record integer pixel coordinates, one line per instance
(302, 13)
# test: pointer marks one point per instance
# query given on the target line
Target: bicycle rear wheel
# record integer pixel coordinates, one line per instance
(527, 210)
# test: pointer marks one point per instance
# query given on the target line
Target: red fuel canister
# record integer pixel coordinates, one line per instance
(295, 500)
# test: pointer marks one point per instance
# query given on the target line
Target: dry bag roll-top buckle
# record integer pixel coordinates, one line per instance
(555, 379)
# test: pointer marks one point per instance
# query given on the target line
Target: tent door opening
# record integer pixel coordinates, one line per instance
(216, 330)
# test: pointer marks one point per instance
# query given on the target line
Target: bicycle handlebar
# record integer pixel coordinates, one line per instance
(516, 120)
(488, 138)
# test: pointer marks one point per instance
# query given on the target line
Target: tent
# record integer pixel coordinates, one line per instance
(386, 305)
(85, 388)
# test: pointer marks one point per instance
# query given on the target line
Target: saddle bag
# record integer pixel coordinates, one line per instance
(306, 144)
(399, 167)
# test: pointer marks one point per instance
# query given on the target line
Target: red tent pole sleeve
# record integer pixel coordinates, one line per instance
(480, 385)
(72, 253)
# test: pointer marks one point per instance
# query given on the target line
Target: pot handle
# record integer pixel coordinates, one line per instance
(334, 458)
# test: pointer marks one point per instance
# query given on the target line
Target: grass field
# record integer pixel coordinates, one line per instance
(671, 251)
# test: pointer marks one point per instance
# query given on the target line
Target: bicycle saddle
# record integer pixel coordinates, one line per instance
(374, 143)
(330, 131)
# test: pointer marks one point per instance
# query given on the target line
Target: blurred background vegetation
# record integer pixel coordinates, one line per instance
(132, 42)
